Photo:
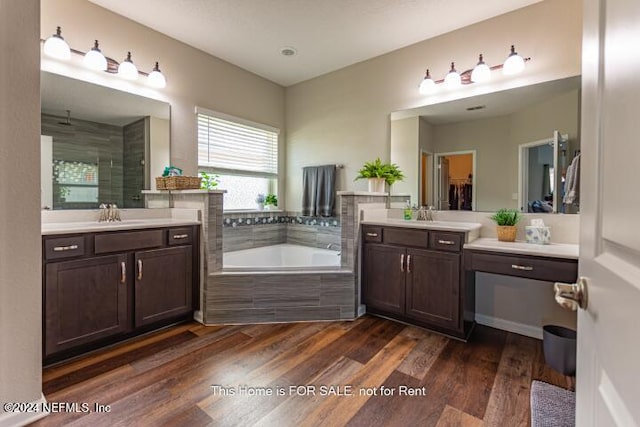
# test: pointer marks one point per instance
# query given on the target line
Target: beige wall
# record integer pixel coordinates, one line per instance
(497, 141)
(344, 116)
(20, 279)
(193, 77)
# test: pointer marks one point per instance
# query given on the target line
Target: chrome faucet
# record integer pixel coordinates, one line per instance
(425, 214)
(109, 213)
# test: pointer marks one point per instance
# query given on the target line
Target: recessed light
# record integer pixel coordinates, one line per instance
(288, 51)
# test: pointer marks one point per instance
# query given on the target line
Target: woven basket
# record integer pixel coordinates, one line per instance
(160, 183)
(182, 182)
(506, 233)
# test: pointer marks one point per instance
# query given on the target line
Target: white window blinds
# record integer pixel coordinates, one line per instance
(230, 145)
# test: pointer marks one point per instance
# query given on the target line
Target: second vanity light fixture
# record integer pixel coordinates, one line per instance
(481, 73)
(56, 47)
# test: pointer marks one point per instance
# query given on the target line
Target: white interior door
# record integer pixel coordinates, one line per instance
(443, 184)
(608, 371)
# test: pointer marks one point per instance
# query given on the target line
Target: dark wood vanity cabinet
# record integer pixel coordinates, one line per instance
(415, 276)
(99, 288)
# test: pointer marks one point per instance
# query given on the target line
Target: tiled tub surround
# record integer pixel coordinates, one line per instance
(256, 229)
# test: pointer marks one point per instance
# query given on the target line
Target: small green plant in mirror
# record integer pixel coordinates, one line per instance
(209, 181)
(377, 169)
(63, 192)
(271, 200)
(506, 217)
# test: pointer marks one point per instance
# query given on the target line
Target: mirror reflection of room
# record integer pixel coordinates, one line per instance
(99, 145)
(495, 126)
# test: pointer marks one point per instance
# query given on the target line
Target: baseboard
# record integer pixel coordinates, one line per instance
(508, 325)
(15, 419)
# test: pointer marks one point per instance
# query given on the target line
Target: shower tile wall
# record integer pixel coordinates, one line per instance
(133, 174)
(89, 142)
(252, 230)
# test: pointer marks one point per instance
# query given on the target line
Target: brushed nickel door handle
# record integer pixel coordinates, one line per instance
(521, 267)
(65, 248)
(139, 269)
(408, 263)
(446, 242)
(402, 263)
(123, 272)
(572, 295)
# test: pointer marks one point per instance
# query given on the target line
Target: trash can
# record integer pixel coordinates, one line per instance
(559, 345)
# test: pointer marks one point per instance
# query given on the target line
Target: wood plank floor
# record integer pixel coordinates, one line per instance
(167, 378)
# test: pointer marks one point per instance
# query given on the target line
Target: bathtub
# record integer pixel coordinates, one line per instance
(281, 257)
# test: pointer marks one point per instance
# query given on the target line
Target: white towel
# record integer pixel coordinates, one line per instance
(572, 183)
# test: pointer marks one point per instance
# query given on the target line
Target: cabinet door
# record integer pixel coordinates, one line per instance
(84, 300)
(163, 284)
(433, 287)
(383, 278)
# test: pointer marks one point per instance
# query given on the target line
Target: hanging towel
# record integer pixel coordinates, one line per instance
(318, 190)
(572, 183)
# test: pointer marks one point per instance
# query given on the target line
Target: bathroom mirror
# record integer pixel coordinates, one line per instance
(99, 145)
(467, 154)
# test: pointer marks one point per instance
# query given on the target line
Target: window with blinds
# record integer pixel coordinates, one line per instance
(243, 155)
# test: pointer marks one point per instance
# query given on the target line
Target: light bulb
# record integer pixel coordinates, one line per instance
(514, 63)
(427, 85)
(481, 73)
(94, 59)
(56, 47)
(127, 69)
(156, 78)
(452, 79)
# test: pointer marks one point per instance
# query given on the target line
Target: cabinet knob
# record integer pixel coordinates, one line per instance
(521, 267)
(372, 234)
(408, 263)
(180, 236)
(65, 248)
(139, 269)
(402, 263)
(446, 242)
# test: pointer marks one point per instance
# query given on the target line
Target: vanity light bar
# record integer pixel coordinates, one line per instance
(481, 73)
(62, 51)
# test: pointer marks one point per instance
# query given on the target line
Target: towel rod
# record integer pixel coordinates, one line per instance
(338, 166)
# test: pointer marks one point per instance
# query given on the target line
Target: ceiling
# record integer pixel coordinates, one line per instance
(327, 34)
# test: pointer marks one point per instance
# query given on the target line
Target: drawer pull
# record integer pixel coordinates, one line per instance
(123, 272)
(65, 248)
(408, 263)
(139, 269)
(180, 236)
(402, 263)
(446, 242)
(372, 234)
(521, 267)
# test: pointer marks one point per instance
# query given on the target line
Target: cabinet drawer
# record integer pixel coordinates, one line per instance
(180, 236)
(130, 240)
(547, 269)
(444, 241)
(64, 247)
(406, 237)
(372, 234)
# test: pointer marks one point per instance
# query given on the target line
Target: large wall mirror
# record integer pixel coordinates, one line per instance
(99, 145)
(517, 148)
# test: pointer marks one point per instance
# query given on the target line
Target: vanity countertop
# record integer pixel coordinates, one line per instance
(429, 225)
(95, 226)
(553, 250)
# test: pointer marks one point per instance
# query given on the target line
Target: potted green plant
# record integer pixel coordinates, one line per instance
(271, 201)
(378, 173)
(506, 220)
(208, 182)
(63, 192)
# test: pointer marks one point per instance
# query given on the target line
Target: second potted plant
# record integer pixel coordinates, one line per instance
(506, 220)
(378, 174)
